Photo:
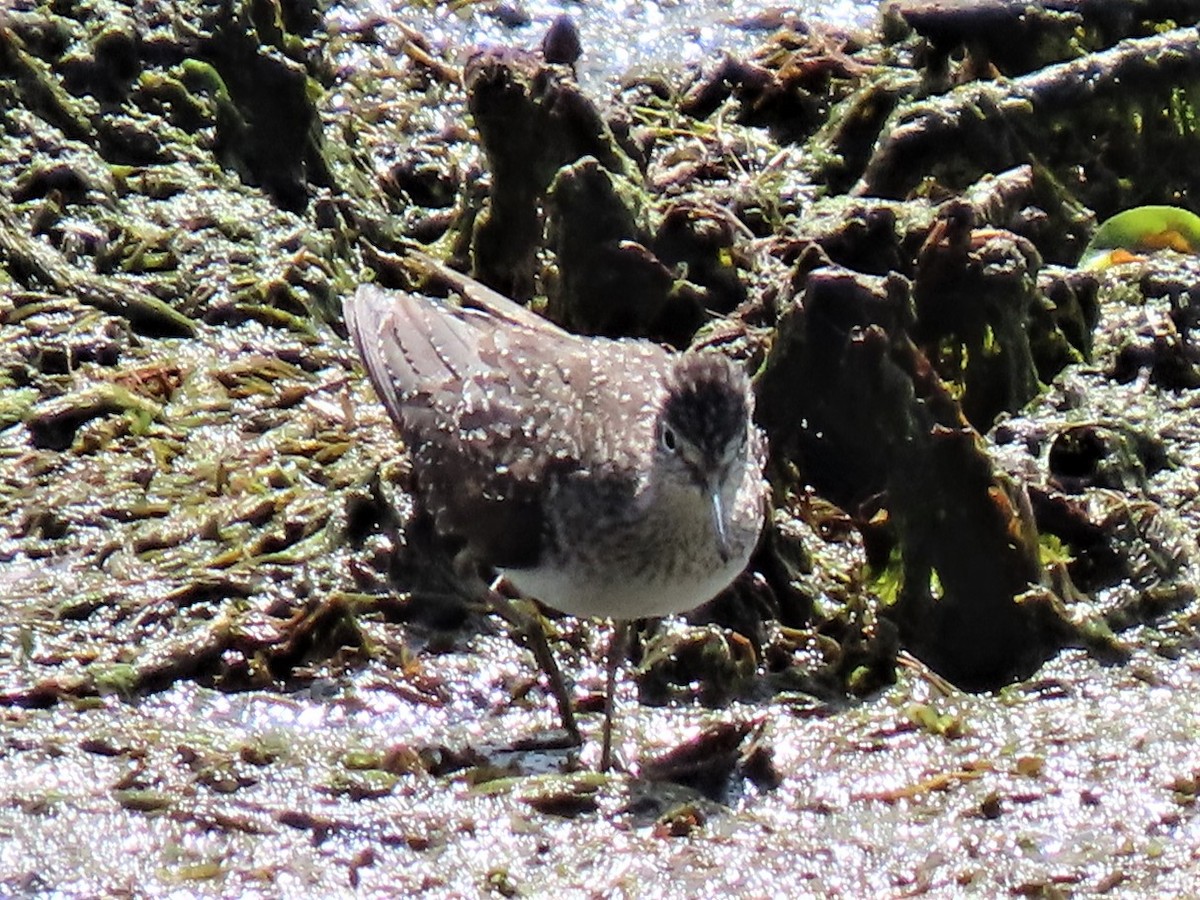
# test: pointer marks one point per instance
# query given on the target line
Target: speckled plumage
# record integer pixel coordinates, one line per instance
(545, 451)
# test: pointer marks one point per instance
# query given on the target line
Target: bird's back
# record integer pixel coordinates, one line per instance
(495, 403)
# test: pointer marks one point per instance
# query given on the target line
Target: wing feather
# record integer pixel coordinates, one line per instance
(492, 400)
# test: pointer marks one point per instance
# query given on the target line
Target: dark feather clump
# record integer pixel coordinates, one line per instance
(708, 400)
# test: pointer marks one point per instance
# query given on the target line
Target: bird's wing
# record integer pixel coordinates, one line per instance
(467, 420)
(413, 351)
(493, 410)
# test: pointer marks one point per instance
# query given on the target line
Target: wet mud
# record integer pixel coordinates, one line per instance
(963, 659)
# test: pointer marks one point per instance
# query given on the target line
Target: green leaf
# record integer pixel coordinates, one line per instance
(1142, 229)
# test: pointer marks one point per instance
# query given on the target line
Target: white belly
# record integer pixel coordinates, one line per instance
(669, 562)
(617, 595)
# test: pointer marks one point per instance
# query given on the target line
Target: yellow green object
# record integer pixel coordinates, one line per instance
(1142, 229)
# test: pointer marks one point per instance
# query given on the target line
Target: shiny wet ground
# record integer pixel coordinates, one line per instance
(1083, 780)
(618, 36)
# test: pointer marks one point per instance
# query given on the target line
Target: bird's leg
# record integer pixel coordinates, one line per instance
(534, 637)
(616, 653)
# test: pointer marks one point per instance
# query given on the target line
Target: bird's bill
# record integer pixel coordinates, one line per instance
(717, 507)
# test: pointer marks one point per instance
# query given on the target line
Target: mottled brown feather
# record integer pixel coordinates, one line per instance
(490, 402)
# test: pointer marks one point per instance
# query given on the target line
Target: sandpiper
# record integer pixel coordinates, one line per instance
(607, 478)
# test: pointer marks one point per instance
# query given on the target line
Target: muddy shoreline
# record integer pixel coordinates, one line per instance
(963, 660)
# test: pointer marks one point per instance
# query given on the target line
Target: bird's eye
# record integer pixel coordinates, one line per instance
(668, 438)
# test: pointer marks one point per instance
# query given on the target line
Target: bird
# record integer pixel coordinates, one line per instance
(604, 477)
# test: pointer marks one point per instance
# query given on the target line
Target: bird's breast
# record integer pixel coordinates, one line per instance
(664, 559)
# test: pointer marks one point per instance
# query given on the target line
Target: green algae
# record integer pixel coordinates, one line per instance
(198, 490)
